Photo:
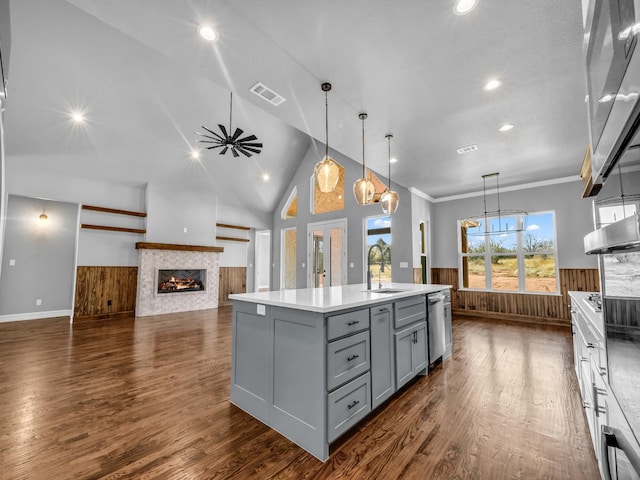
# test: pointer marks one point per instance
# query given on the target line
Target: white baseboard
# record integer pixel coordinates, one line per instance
(34, 315)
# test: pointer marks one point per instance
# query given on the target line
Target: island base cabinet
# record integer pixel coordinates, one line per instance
(348, 405)
(382, 357)
(411, 352)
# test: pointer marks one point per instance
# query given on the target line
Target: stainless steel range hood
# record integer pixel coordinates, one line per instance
(623, 235)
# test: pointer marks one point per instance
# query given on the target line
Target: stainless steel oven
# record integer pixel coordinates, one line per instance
(613, 78)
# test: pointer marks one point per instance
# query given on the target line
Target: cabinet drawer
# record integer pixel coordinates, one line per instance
(347, 323)
(347, 358)
(347, 406)
(409, 311)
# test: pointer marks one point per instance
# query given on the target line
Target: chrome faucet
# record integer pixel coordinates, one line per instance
(369, 266)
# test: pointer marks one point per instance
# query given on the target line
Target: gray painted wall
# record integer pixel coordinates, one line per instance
(355, 215)
(574, 219)
(44, 254)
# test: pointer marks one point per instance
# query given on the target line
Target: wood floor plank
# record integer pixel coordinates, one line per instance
(148, 398)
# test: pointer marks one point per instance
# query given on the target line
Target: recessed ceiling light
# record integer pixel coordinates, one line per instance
(462, 7)
(77, 117)
(492, 84)
(506, 127)
(265, 177)
(195, 154)
(393, 160)
(208, 33)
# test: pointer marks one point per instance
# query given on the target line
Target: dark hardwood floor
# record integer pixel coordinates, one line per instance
(149, 398)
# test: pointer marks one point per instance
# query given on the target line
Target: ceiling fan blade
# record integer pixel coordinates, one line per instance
(236, 134)
(217, 135)
(235, 153)
(255, 145)
(224, 150)
(224, 132)
(214, 146)
(251, 149)
(244, 151)
(246, 139)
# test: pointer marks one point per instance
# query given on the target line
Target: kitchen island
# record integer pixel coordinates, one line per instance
(311, 363)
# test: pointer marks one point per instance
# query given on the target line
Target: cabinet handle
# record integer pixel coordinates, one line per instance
(603, 371)
(586, 405)
(415, 336)
(352, 357)
(351, 405)
(353, 322)
(384, 309)
(590, 345)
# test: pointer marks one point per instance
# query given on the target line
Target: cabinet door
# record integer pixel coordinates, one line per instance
(419, 348)
(382, 358)
(404, 356)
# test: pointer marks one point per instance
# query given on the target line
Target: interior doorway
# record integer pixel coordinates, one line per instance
(327, 254)
(263, 261)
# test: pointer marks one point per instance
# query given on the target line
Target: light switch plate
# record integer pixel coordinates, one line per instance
(404, 264)
(12, 262)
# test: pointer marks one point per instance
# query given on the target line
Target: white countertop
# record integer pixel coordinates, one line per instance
(330, 299)
(594, 318)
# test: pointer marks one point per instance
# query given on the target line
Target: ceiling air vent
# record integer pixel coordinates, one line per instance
(267, 94)
(467, 149)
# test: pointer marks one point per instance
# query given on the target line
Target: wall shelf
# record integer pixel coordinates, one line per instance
(232, 239)
(140, 231)
(237, 227)
(114, 211)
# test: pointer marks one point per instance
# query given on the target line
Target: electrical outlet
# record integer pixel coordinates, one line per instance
(185, 229)
(12, 262)
(38, 301)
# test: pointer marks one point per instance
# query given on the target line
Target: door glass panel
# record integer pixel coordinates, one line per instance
(289, 259)
(318, 259)
(335, 240)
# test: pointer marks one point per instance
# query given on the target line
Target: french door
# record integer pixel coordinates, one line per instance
(327, 254)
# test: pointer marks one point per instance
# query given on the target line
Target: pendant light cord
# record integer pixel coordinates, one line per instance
(389, 145)
(363, 169)
(326, 125)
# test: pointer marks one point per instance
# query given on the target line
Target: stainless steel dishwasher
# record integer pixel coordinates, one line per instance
(437, 342)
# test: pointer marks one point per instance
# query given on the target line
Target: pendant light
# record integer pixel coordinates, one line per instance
(326, 171)
(363, 188)
(389, 199)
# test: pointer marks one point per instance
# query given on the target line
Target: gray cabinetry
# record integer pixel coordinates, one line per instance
(347, 358)
(348, 405)
(382, 357)
(447, 324)
(411, 352)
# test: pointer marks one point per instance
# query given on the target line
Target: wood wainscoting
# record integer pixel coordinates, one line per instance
(232, 280)
(105, 292)
(546, 309)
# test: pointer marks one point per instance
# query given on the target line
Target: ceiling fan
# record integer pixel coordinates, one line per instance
(226, 141)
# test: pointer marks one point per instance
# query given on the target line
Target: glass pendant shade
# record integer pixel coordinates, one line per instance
(326, 171)
(327, 174)
(389, 201)
(363, 190)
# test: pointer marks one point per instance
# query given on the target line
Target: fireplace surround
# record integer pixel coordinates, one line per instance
(154, 258)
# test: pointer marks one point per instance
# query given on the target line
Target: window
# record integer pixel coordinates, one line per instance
(378, 232)
(288, 270)
(509, 253)
(290, 209)
(331, 201)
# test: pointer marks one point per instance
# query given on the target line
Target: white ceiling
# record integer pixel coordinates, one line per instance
(148, 82)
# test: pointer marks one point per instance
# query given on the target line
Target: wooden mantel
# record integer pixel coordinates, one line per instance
(174, 246)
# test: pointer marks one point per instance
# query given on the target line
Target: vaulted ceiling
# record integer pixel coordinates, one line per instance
(147, 82)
